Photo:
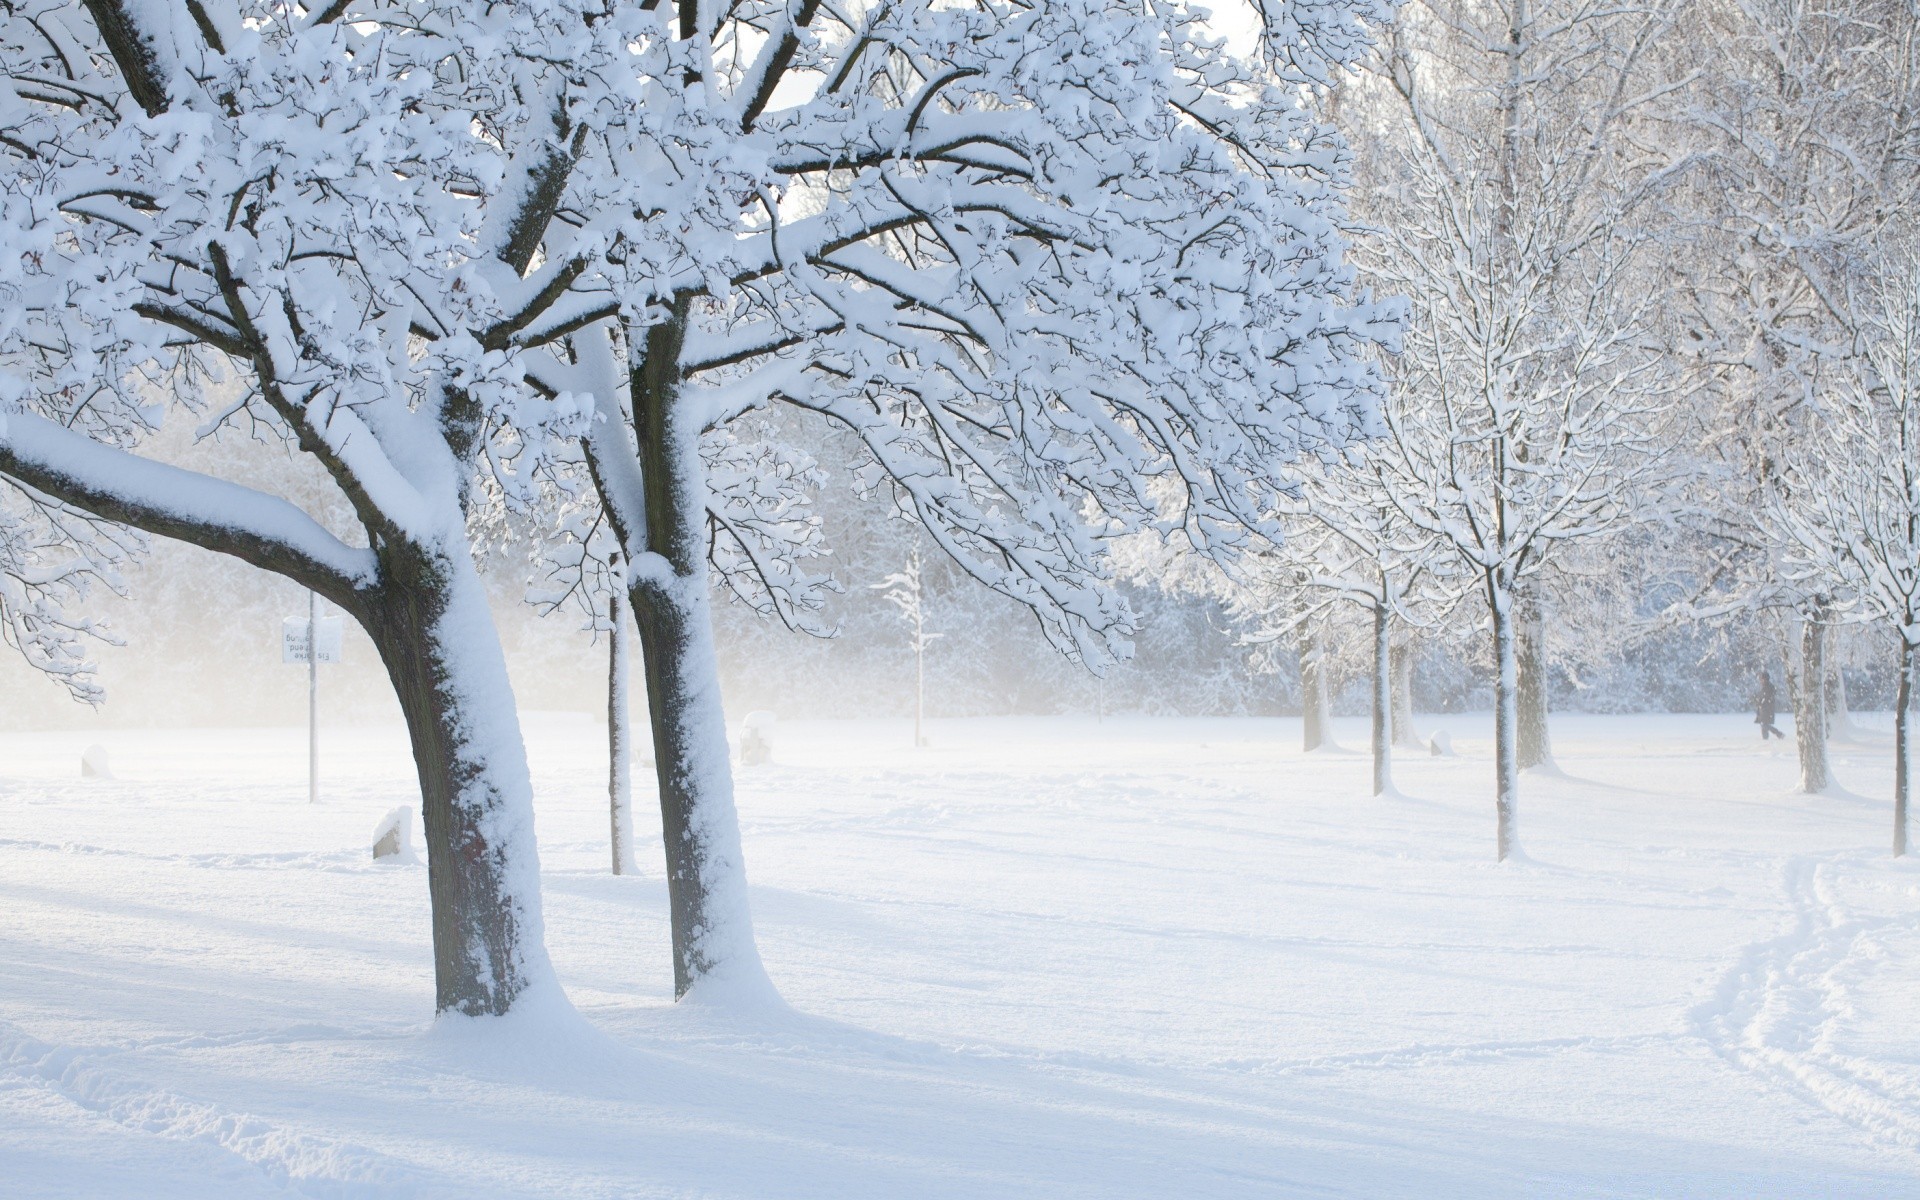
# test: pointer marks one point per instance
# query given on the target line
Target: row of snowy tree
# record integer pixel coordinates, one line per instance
(1065, 274)
(1661, 355)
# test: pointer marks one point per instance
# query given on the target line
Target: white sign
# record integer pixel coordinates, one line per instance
(296, 644)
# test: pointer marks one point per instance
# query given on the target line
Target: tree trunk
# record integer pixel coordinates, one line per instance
(1506, 717)
(1315, 720)
(1403, 732)
(1902, 763)
(1382, 701)
(1533, 747)
(620, 727)
(1839, 712)
(919, 676)
(706, 872)
(437, 640)
(1809, 703)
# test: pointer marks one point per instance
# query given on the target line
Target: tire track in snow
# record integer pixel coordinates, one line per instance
(1773, 1013)
(302, 1163)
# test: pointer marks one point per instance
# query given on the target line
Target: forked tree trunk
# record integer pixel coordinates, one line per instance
(1902, 759)
(1382, 701)
(1315, 721)
(1403, 731)
(1506, 718)
(437, 640)
(620, 726)
(1809, 703)
(1534, 746)
(706, 872)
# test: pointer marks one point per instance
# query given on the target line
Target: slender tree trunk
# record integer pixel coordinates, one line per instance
(1382, 701)
(1902, 759)
(1403, 732)
(1500, 590)
(1790, 635)
(1809, 702)
(1839, 711)
(1314, 717)
(919, 677)
(1533, 747)
(437, 640)
(1506, 717)
(706, 871)
(620, 726)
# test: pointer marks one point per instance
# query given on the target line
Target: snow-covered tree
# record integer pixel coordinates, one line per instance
(585, 573)
(1524, 405)
(1035, 260)
(582, 571)
(1848, 508)
(1808, 135)
(1346, 543)
(1396, 572)
(341, 209)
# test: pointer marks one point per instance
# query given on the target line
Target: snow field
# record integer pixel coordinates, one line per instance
(1041, 957)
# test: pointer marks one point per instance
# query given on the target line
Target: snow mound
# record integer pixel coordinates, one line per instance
(393, 837)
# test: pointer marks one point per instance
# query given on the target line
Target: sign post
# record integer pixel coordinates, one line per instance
(313, 641)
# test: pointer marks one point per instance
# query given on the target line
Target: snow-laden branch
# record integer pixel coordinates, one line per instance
(173, 502)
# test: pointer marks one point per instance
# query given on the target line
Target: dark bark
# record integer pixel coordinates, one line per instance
(479, 944)
(544, 186)
(1533, 746)
(782, 58)
(668, 654)
(81, 487)
(482, 947)
(132, 52)
(698, 824)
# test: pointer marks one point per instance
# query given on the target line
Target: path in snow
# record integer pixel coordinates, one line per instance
(1045, 958)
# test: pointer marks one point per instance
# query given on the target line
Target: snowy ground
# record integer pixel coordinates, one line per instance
(1043, 958)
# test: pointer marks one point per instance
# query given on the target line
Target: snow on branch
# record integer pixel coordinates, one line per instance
(1034, 287)
(51, 556)
(172, 502)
